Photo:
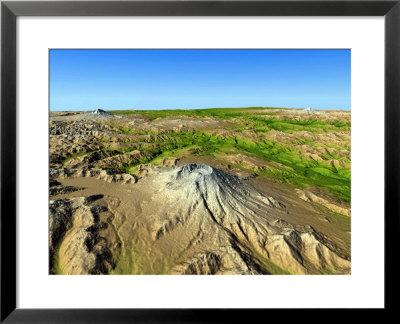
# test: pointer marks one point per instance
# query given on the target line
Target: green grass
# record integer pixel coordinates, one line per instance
(262, 124)
(129, 166)
(56, 269)
(303, 172)
(137, 259)
(210, 112)
(292, 166)
(248, 120)
(296, 169)
(269, 266)
(342, 221)
(74, 156)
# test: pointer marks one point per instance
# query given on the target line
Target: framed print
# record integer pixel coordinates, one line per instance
(187, 157)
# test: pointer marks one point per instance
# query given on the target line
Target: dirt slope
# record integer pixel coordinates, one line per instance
(193, 219)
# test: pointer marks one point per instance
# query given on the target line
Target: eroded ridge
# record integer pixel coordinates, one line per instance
(218, 191)
(220, 203)
(82, 239)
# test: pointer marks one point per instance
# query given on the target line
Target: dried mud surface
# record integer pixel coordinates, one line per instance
(136, 193)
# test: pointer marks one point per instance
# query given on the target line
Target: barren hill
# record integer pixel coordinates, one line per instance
(213, 191)
(206, 220)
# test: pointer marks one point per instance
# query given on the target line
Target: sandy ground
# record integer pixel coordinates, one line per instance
(112, 222)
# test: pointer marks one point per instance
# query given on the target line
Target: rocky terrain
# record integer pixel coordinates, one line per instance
(213, 191)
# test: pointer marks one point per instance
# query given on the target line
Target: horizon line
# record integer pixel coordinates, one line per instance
(157, 109)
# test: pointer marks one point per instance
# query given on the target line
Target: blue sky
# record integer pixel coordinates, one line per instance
(185, 79)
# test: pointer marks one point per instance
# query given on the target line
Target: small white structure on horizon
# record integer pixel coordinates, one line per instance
(308, 110)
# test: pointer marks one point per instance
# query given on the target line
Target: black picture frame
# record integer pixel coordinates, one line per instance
(10, 10)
